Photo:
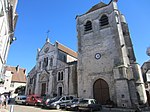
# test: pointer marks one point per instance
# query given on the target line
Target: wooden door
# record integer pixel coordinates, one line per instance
(101, 91)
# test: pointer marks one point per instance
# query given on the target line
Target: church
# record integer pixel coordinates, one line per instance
(55, 71)
(105, 67)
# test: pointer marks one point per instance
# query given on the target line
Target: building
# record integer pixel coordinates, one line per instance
(146, 76)
(8, 19)
(55, 71)
(104, 42)
(14, 78)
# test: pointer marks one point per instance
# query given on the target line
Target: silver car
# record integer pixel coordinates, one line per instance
(20, 99)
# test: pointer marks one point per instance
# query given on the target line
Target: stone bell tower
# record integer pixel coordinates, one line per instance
(107, 68)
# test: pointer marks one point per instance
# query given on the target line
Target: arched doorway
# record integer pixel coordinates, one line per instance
(101, 91)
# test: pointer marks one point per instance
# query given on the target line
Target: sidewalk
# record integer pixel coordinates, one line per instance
(3, 110)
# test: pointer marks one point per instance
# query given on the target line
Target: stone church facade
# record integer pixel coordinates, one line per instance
(107, 68)
(55, 71)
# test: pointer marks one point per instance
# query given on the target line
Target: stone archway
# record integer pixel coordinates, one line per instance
(101, 91)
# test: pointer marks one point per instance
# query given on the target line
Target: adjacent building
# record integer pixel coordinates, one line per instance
(14, 78)
(55, 71)
(8, 19)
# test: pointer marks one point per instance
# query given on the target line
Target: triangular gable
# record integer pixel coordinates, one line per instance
(48, 47)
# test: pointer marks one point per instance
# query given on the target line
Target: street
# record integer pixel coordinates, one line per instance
(23, 108)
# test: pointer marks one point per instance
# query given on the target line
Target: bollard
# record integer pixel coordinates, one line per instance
(12, 108)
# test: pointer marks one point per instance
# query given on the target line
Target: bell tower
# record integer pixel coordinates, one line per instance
(106, 61)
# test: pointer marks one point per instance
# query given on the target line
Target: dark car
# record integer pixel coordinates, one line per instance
(89, 104)
(73, 105)
(33, 100)
(59, 102)
(45, 101)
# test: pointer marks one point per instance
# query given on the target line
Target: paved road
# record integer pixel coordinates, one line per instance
(22, 108)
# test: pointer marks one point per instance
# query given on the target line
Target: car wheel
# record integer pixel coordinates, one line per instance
(57, 107)
(35, 104)
(91, 110)
(26, 104)
(16, 102)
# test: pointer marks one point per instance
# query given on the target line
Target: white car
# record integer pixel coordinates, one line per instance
(20, 99)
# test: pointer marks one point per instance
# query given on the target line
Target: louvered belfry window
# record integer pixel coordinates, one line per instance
(104, 20)
(88, 26)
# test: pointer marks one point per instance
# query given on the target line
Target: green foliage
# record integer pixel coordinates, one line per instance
(20, 90)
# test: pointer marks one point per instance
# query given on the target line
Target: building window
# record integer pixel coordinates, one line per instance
(12, 85)
(51, 62)
(45, 64)
(60, 76)
(104, 20)
(31, 81)
(88, 26)
(39, 65)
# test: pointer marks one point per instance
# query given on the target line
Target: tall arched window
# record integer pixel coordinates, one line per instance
(59, 76)
(88, 26)
(62, 75)
(104, 20)
(51, 62)
(45, 63)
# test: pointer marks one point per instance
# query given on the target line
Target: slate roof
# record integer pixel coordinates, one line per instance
(18, 74)
(97, 6)
(67, 50)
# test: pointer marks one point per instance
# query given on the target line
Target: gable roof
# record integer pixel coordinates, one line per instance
(18, 74)
(66, 50)
(97, 6)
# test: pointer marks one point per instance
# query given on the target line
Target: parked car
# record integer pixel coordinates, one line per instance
(59, 102)
(45, 101)
(33, 100)
(20, 99)
(89, 104)
(73, 105)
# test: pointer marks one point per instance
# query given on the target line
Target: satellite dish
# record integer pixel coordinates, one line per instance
(148, 51)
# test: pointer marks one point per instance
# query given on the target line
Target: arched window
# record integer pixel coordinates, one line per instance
(62, 75)
(51, 62)
(45, 63)
(104, 20)
(88, 26)
(59, 76)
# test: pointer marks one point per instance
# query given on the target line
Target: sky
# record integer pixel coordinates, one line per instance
(36, 17)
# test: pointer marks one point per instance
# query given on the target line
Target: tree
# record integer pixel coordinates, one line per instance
(20, 90)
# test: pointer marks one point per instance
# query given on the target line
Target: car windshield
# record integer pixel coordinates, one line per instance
(84, 101)
(56, 98)
(93, 101)
(37, 97)
(75, 100)
(23, 98)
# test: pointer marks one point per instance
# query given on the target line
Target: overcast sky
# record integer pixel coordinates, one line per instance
(36, 17)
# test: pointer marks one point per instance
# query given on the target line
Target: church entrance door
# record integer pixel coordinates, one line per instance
(43, 90)
(101, 91)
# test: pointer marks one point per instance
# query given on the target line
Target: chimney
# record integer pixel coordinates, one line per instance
(17, 68)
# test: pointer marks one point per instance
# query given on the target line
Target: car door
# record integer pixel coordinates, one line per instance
(32, 100)
(83, 103)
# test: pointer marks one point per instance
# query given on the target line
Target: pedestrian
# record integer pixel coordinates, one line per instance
(0, 102)
(6, 101)
(2, 99)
